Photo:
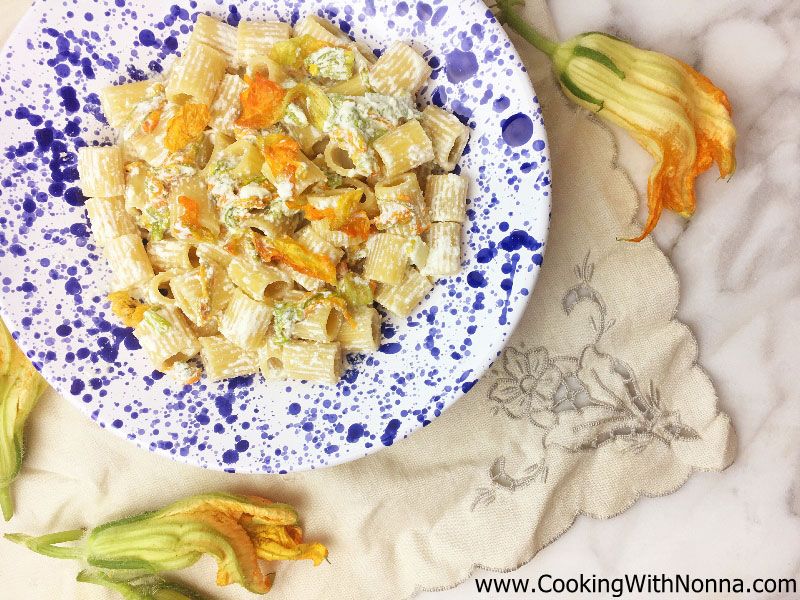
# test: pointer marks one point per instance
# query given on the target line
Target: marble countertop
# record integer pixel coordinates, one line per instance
(739, 265)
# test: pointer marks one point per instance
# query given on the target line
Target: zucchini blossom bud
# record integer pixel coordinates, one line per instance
(675, 113)
(21, 386)
(236, 530)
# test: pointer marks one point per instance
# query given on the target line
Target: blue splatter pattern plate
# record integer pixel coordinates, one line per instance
(52, 277)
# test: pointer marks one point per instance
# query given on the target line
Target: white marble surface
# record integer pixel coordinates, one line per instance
(739, 264)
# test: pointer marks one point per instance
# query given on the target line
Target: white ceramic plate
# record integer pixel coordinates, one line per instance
(52, 280)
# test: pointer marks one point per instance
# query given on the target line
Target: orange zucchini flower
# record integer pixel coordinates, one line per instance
(358, 226)
(189, 219)
(290, 252)
(675, 113)
(127, 309)
(151, 122)
(237, 531)
(337, 206)
(262, 103)
(282, 155)
(186, 126)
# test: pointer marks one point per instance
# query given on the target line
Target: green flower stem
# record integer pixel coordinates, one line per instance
(509, 15)
(47, 544)
(6, 502)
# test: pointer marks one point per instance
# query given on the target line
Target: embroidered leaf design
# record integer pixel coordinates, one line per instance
(485, 497)
(605, 385)
(589, 428)
(580, 293)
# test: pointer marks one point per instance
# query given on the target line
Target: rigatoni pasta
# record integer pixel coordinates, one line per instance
(402, 206)
(405, 148)
(256, 39)
(197, 74)
(227, 105)
(447, 198)
(386, 258)
(448, 135)
(224, 360)
(170, 255)
(444, 250)
(131, 265)
(313, 362)
(217, 34)
(118, 101)
(321, 323)
(362, 333)
(270, 358)
(245, 321)
(401, 299)
(269, 195)
(259, 281)
(166, 337)
(400, 69)
(101, 171)
(192, 295)
(109, 219)
(319, 29)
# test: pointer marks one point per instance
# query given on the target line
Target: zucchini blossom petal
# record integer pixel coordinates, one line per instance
(21, 386)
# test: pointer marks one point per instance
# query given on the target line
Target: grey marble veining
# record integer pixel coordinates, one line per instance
(739, 264)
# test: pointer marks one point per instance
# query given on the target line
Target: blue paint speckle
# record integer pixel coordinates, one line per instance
(77, 387)
(460, 66)
(502, 103)
(234, 18)
(224, 405)
(476, 279)
(69, 99)
(486, 255)
(354, 432)
(517, 129)
(519, 239)
(73, 286)
(424, 11)
(390, 433)
(439, 15)
(147, 37)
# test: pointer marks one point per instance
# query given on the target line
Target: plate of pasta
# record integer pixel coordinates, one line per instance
(267, 237)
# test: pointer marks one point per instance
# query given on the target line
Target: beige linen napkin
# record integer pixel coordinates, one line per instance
(596, 402)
